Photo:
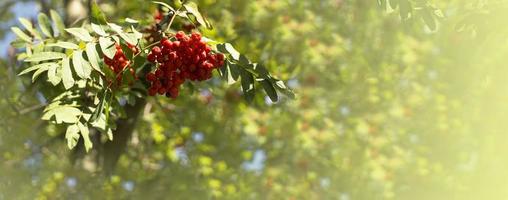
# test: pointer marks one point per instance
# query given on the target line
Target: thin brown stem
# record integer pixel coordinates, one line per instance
(174, 16)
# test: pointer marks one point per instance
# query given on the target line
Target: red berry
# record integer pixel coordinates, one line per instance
(156, 50)
(173, 56)
(108, 61)
(176, 44)
(152, 91)
(220, 56)
(159, 73)
(151, 77)
(157, 85)
(162, 91)
(174, 92)
(121, 59)
(196, 36)
(167, 44)
(151, 58)
(180, 35)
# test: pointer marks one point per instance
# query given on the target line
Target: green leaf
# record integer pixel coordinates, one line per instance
(81, 66)
(127, 37)
(279, 85)
(193, 9)
(57, 20)
(21, 35)
(232, 73)
(29, 27)
(101, 124)
(260, 70)
(98, 29)
(270, 90)
(138, 64)
(80, 33)
(229, 49)
(93, 56)
(127, 51)
(18, 44)
(164, 4)
(136, 34)
(247, 85)
(35, 67)
(65, 95)
(72, 136)
(27, 24)
(98, 111)
(63, 113)
(55, 74)
(67, 79)
(243, 60)
(210, 41)
(45, 25)
(250, 69)
(109, 133)
(36, 47)
(65, 45)
(85, 133)
(42, 69)
(44, 56)
(108, 47)
(97, 16)
(234, 53)
(131, 21)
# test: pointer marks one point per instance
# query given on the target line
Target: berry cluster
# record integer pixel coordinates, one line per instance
(186, 58)
(120, 62)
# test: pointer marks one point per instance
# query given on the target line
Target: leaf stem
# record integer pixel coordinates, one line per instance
(174, 16)
(147, 47)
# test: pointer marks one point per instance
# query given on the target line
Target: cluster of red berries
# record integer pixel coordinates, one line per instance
(120, 62)
(186, 58)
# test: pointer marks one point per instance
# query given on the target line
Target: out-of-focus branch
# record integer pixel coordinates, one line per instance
(31, 108)
(44, 6)
(112, 150)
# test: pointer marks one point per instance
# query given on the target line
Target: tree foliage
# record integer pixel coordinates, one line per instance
(72, 58)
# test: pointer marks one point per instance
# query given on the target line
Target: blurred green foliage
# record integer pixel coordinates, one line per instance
(386, 109)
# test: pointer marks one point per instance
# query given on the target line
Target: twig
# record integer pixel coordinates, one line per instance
(174, 16)
(44, 6)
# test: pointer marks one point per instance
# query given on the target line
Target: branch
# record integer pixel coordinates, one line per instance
(125, 127)
(31, 108)
(44, 6)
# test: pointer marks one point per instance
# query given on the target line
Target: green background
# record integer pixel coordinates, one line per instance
(385, 109)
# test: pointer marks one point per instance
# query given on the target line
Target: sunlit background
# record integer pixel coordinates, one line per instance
(386, 109)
